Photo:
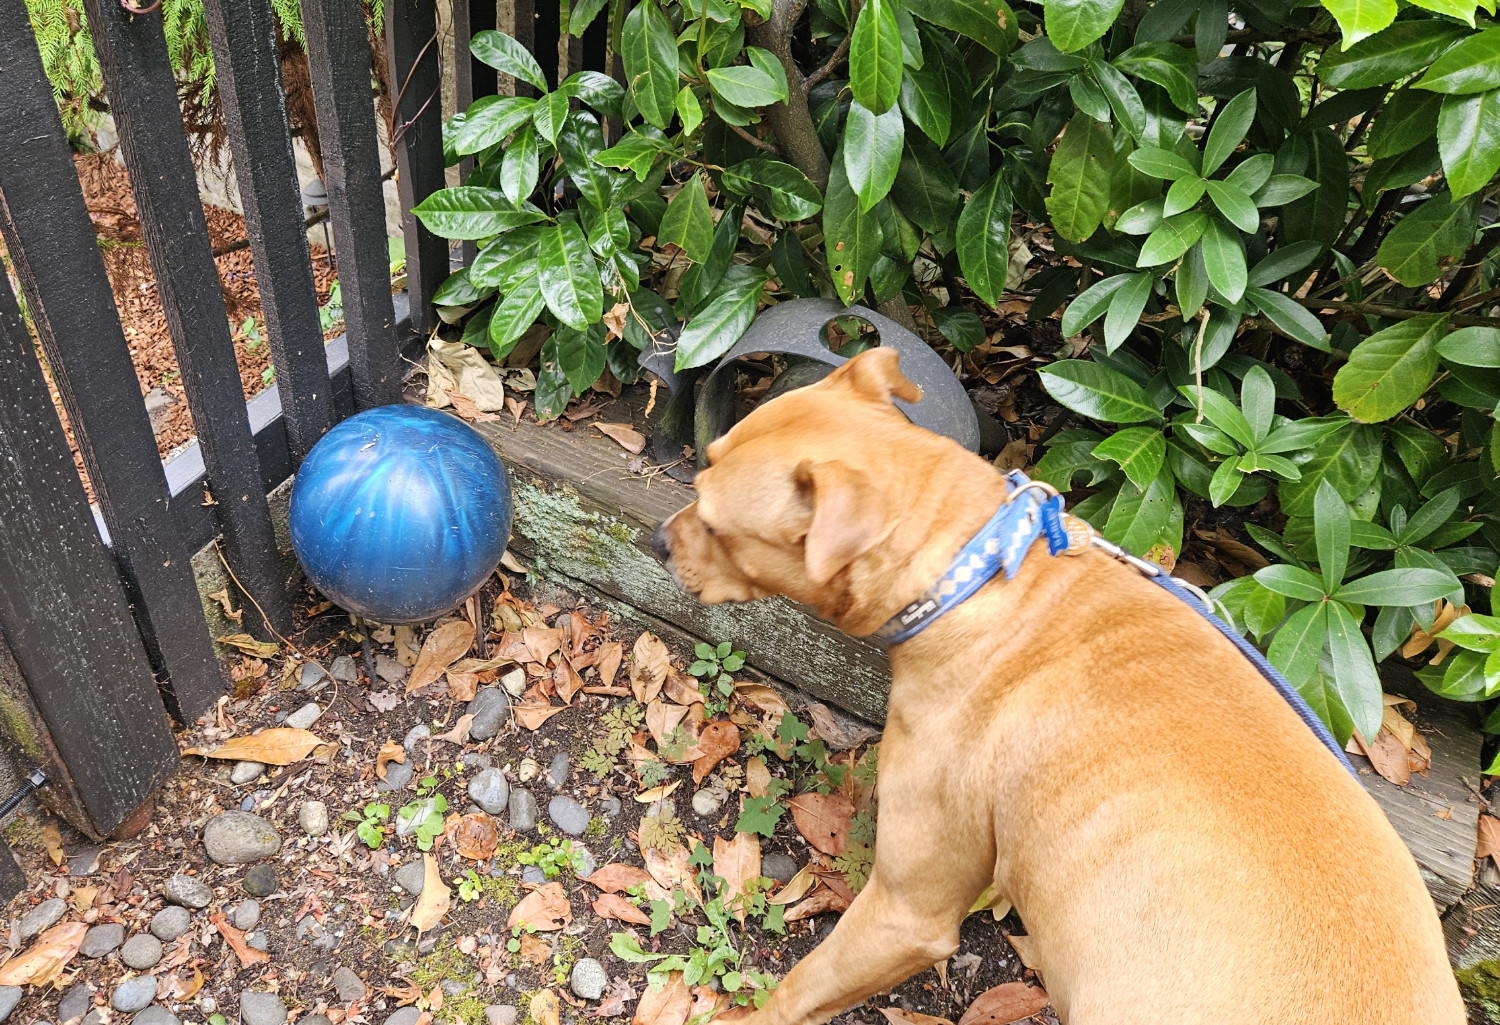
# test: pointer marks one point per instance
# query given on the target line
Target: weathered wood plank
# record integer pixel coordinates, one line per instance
(339, 56)
(463, 88)
(417, 116)
(52, 244)
(63, 614)
(243, 36)
(143, 97)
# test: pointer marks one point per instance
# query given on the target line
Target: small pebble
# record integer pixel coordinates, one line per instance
(568, 815)
(514, 682)
(407, 822)
(313, 818)
(102, 939)
(344, 669)
(259, 940)
(389, 670)
(238, 838)
(411, 876)
(41, 918)
(207, 1004)
(415, 736)
(262, 1009)
(557, 772)
(473, 761)
(260, 880)
(778, 866)
(610, 807)
(171, 922)
(501, 1014)
(311, 1019)
(589, 979)
(134, 994)
(533, 874)
(349, 986)
(707, 802)
(397, 775)
(10, 996)
(528, 770)
(84, 863)
(141, 951)
(245, 915)
(304, 717)
(404, 1016)
(245, 772)
(75, 1003)
(156, 1014)
(309, 676)
(523, 811)
(490, 791)
(489, 708)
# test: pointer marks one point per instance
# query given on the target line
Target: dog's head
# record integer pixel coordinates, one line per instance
(802, 496)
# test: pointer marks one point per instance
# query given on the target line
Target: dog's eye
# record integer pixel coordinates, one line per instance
(710, 530)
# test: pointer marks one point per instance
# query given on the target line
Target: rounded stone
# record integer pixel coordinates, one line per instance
(258, 939)
(610, 807)
(262, 1009)
(41, 918)
(102, 939)
(523, 811)
(156, 1014)
(238, 838)
(349, 986)
(533, 874)
(244, 772)
(344, 669)
(75, 1003)
(501, 1014)
(415, 736)
(10, 996)
(134, 994)
(188, 892)
(488, 708)
(309, 676)
(259, 881)
(589, 979)
(304, 717)
(313, 818)
(311, 1019)
(473, 761)
(557, 772)
(404, 1016)
(245, 915)
(411, 876)
(490, 791)
(170, 923)
(778, 866)
(707, 803)
(397, 775)
(141, 951)
(568, 815)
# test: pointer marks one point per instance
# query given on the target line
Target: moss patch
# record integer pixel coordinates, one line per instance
(1480, 986)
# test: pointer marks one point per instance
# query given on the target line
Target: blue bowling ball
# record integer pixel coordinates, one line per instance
(400, 513)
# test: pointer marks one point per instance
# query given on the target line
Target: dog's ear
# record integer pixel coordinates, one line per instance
(848, 516)
(876, 373)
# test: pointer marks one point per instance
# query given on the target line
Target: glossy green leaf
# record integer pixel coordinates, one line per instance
(509, 55)
(1354, 670)
(715, 329)
(513, 317)
(1250, 174)
(1224, 259)
(1190, 283)
(1140, 452)
(1474, 632)
(926, 190)
(1348, 459)
(1291, 582)
(1125, 308)
(1237, 207)
(1143, 218)
(1073, 24)
(1331, 535)
(1161, 163)
(569, 275)
(649, 52)
(637, 152)
(1404, 121)
(1427, 240)
(1472, 347)
(768, 62)
(745, 86)
(990, 23)
(519, 168)
(875, 56)
(1123, 98)
(579, 142)
(1414, 586)
(851, 237)
(1361, 18)
(1391, 369)
(581, 355)
(471, 212)
(1470, 66)
(873, 145)
(1468, 133)
(1283, 262)
(1290, 317)
(983, 239)
(688, 222)
(1221, 411)
(1281, 189)
(779, 188)
(1233, 121)
(596, 89)
(548, 117)
(1098, 392)
(1183, 194)
(1143, 518)
(490, 120)
(1090, 304)
(1403, 49)
(1318, 216)
(925, 100)
(1258, 402)
(1170, 66)
(1173, 238)
(689, 110)
(1079, 175)
(1296, 647)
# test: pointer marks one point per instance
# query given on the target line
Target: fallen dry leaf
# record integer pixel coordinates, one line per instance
(476, 838)
(565, 680)
(670, 1006)
(1025, 949)
(541, 642)
(389, 752)
(824, 820)
(443, 647)
(534, 949)
(52, 839)
(83, 897)
(681, 689)
(459, 734)
(707, 1004)
(435, 899)
(1006, 1003)
(820, 901)
(174, 988)
(650, 662)
(247, 954)
(757, 777)
(662, 717)
(466, 408)
(545, 908)
(612, 1005)
(737, 862)
(1386, 754)
(1420, 639)
(45, 959)
(249, 645)
(1489, 838)
(383, 701)
(612, 905)
(838, 737)
(670, 868)
(630, 439)
(544, 1007)
(762, 697)
(717, 741)
(896, 1016)
(657, 793)
(533, 714)
(608, 659)
(279, 746)
(617, 877)
(796, 887)
(462, 686)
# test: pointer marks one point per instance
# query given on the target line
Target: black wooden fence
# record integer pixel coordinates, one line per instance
(102, 633)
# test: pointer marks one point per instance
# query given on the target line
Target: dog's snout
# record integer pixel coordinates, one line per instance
(659, 543)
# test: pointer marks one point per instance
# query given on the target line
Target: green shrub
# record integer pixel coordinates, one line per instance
(1272, 239)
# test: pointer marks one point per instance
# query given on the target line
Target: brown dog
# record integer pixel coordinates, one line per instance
(1181, 847)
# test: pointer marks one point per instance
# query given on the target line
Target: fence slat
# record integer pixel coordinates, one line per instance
(463, 88)
(412, 47)
(138, 79)
(63, 613)
(243, 36)
(51, 240)
(338, 51)
(483, 79)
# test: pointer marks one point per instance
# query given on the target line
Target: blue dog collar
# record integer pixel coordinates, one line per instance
(1032, 509)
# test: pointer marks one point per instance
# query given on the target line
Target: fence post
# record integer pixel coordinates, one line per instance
(417, 138)
(243, 36)
(138, 79)
(338, 51)
(51, 239)
(63, 615)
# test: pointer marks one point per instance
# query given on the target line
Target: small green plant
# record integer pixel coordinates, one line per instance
(662, 830)
(514, 943)
(370, 823)
(553, 857)
(654, 773)
(712, 670)
(427, 809)
(470, 887)
(597, 829)
(619, 724)
(859, 857)
(251, 331)
(331, 313)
